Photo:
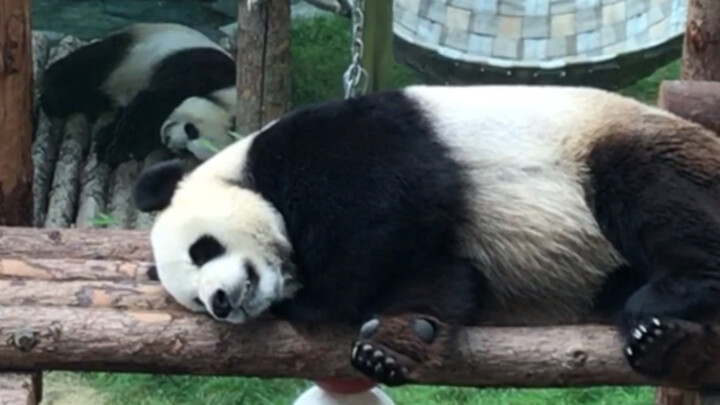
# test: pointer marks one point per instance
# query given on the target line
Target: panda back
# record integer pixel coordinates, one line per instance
(152, 43)
(532, 233)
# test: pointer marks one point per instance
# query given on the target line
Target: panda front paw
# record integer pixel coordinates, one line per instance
(389, 348)
(378, 363)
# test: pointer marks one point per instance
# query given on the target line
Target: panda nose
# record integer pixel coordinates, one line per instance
(221, 304)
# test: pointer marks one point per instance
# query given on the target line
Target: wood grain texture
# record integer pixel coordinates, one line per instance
(81, 300)
(20, 389)
(108, 339)
(263, 63)
(701, 48)
(16, 115)
(697, 101)
(75, 244)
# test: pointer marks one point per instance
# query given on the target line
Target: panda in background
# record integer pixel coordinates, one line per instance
(411, 212)
(198, 121)
(144, 73)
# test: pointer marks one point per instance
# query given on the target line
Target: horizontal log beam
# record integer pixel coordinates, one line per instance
(98, 244)
(81, 300)
(696, 101)
(106, 339)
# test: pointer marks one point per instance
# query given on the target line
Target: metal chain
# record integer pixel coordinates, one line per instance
(355, 77)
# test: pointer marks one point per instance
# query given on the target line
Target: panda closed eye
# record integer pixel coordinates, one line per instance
(205, 249)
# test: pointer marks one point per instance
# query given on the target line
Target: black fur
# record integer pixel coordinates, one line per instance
(656, 199)
(389, 180)
(188, 73)
(372, 201)
(72, 84)
(664, 220)
(155, 187)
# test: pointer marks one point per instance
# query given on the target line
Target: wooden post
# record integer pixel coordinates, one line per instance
(378, 44)
(16, 93)
(701, 50)
(263, 63)
(698, 102)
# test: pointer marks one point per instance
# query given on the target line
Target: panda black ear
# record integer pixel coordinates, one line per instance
(156, 185)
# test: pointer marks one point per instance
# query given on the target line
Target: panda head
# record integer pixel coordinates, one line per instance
(198, 125)
(218, 247)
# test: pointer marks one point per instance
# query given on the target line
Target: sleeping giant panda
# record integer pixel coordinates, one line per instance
(199, 120)
(144, 73)
(414, 211)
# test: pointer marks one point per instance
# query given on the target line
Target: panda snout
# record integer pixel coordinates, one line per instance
(220, 303)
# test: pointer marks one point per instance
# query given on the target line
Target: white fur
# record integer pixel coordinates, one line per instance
(533, 234)
(212, 120)
(248, 227)
(158, 41)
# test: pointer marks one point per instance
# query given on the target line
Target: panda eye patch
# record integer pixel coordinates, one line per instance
(191, 131)
(205, 249)
(251, 271)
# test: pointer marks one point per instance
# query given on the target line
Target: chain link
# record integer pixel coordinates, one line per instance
(355, 77)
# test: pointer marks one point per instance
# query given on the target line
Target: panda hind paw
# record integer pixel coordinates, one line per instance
(649, 341)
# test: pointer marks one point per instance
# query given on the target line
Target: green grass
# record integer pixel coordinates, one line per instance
(320, 56)
(142, 389)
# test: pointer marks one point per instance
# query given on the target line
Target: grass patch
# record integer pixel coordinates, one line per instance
(320, 55)
(143, 389)
(646, 90)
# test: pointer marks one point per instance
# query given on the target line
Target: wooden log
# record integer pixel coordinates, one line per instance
(83, 294)
(107, 339)
(125, 245)
(44, 155)
(69, 300)
(16, 114)
(701, 48)
(72, 269)
(697, 101)
(20, 389)
(120, 206)
(263, 63)
(62, 204)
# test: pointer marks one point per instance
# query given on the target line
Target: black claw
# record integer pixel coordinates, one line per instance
(376, 364)
(424, 329)
(369, 328)
(647, 334)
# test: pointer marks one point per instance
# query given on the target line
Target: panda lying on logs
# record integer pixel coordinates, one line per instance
(167, 83)
(411, 212)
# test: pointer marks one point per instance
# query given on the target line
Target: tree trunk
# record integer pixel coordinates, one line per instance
(20, 389)
(701, 49)
(263, 63)
(697, 101)
(16, 92)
